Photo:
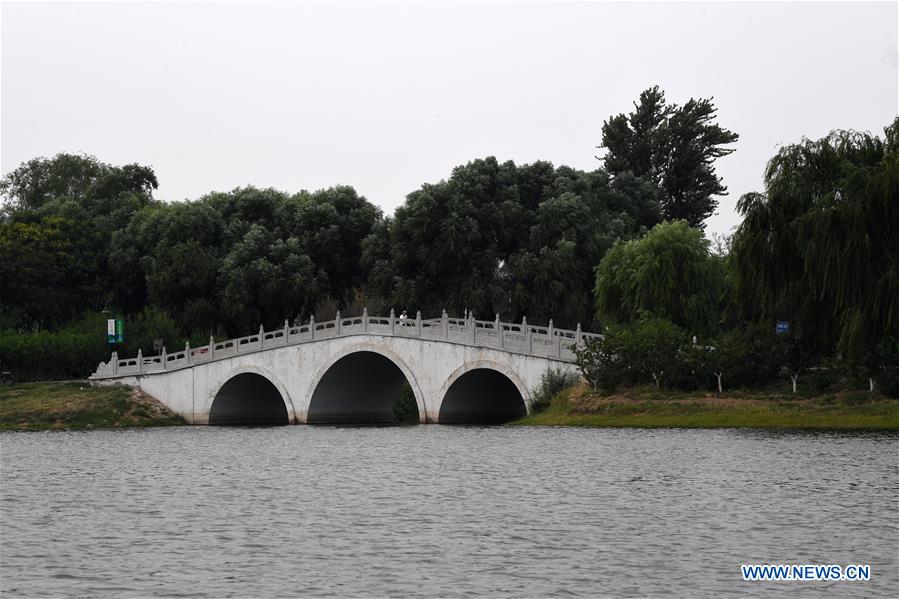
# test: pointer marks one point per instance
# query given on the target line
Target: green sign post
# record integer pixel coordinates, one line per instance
(115, 331)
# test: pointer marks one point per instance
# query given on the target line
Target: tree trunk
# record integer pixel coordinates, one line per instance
(871, 384)
(656, 379)
(794, 378)
(720, 390)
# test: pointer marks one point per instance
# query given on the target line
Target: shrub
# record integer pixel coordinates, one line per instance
(70, 352)
(603, 362)
(552, 382)
(650, 349)
(653, 347)
(405, 408)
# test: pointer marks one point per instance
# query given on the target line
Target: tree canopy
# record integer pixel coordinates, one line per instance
(820, 248)
(669, 273)
(56, 226)
(673, 146)
(500, 238)
(235, 260)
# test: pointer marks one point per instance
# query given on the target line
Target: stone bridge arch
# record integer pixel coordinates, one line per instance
(362, 347)
(233, 373)
(474, 366)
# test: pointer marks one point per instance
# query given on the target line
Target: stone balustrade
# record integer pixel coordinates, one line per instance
(521, 338)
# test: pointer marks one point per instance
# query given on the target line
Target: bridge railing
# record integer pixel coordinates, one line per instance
(521, 338)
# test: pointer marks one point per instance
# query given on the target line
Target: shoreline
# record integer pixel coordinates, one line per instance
(647, 407)
(76, 405)
(68, 405)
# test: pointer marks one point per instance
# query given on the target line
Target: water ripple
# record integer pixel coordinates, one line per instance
(441, 511)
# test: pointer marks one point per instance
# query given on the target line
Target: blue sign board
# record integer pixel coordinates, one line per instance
(782, 327)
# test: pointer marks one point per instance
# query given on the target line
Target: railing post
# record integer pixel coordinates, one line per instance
(552, 338)
(498, 326)
(115, 362)
(392, 322)
(474, 329)
(577, 336)
(528, 339)
(365, 319)
(140, 360)
(418, 323)
(337, 323)
(286, 331)
(187, 351)
(445, 318)
(211, 347)
(312, 327)
(163, 358)
(261, 338)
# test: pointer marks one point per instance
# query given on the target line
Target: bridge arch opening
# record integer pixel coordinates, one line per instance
(482, 396)
(363, 387)
(248, 399)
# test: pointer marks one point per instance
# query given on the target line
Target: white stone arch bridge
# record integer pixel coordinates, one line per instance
(351, 369)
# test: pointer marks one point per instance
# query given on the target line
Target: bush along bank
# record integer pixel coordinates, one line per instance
(645, 406)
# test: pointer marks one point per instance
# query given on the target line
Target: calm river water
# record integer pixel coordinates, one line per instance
(442, 511)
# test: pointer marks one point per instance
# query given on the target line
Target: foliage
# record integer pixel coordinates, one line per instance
(669, 273)
(797, 352)
(56, 226)
(500, 238)
(738, 357)
(142, 329)
(653, 345)
(673, 146)
(647, 349)
(552, 382)
(603, 361)
(72, 351)
(819, 248)
(230, 262)
(405, 408)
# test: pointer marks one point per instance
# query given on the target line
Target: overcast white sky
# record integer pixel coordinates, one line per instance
(385, 97)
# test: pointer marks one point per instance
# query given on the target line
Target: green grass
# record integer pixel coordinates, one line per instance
(648, 407)
(67, 405)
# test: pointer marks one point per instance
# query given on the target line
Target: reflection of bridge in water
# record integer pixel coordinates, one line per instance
(352, 369)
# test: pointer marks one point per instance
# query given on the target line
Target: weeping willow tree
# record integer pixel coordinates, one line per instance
(669, 273)
(820, 248)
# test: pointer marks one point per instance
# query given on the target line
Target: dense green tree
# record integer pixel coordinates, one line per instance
(57, 222)
(669, 273)
(264, 279)
(83, 178)
(498, 238)
(675, 147)
(820, 247)
(232, 261)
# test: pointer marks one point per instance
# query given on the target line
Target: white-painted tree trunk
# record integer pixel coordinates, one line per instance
(794, 378)
(718, 376)
(871, 384)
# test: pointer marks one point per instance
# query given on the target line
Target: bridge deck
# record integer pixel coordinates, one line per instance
(549, 342)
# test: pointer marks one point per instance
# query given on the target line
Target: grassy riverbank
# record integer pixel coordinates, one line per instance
(651, 408)
(77, 405)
